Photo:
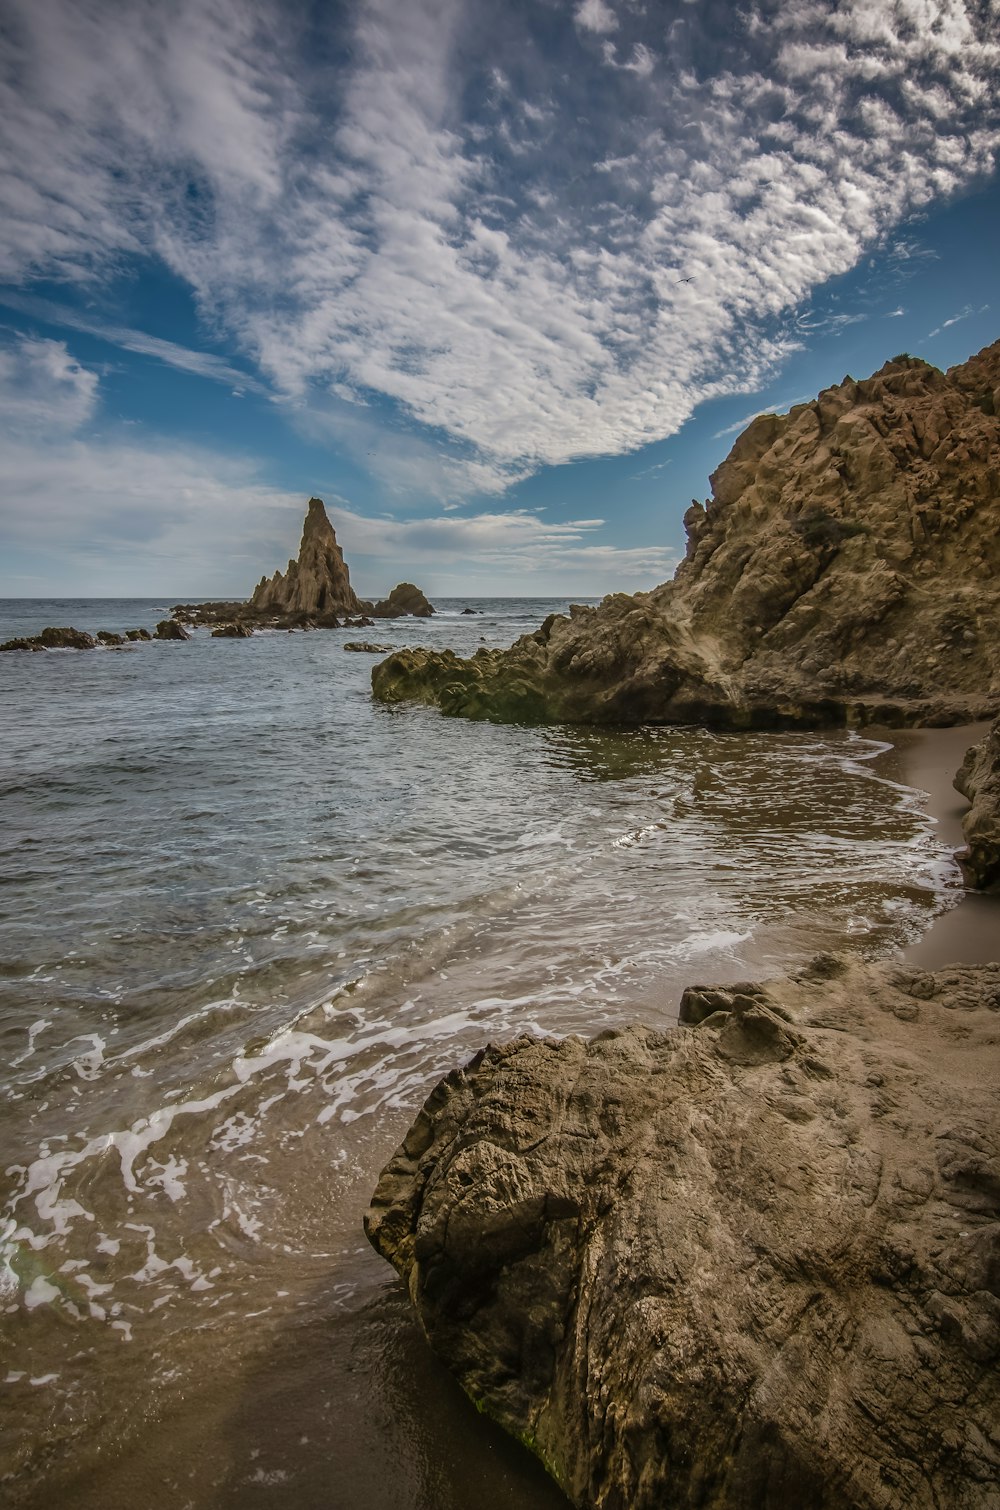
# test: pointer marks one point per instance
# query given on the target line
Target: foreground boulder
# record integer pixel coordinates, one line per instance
(979, 780)
(753, 1263)
(846, 569)
(54, 639)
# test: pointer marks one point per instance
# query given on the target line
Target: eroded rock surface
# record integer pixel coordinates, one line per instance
(846, 568)
(753, 1263)
(317, 583)
(979, 780)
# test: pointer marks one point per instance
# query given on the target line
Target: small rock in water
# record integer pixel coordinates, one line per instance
(367, 646)
(169, 629)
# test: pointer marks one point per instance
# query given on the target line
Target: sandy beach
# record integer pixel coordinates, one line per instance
(928, 759)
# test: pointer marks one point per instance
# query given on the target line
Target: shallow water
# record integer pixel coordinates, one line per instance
(248, 918)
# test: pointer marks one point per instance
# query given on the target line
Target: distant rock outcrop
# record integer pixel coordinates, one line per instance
(847, 568)
(317, 585)
(979, 780)
(404, 599)
(314, 592)
(54, 639)
(169, 629)
(753, 1262)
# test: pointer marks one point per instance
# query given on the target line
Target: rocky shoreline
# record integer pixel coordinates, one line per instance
(754, 1263)
(751, 1263)
(846, 570)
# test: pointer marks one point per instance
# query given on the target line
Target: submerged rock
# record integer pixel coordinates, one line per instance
(846, 569)
(750, 1263)
(405, 599)
(54, 639)
(979, 780)
(367, 647)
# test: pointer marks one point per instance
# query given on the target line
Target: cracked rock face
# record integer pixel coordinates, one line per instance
(751, 1263)
(846, 568)
(979, 780)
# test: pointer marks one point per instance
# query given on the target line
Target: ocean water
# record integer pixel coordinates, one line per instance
(248, 918)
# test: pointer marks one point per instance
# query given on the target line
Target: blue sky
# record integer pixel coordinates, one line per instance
(499, 281)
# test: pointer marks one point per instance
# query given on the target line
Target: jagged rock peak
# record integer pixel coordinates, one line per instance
(318, 582)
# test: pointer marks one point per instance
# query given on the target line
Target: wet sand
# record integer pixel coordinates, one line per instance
(928, 759)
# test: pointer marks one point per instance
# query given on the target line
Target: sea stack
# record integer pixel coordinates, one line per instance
(318, 584)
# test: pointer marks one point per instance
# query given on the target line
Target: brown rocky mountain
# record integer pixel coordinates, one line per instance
(847, 567)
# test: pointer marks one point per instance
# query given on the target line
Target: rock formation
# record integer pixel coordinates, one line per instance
(367, 647)
(169, 629)
(404, 599)
(237, 631)
(847, 567)
(752, 1263)
(314, 593)
(979, 780)
(317, 585)
(54, 639)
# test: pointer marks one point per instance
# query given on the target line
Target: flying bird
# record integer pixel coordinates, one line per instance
(683, 280)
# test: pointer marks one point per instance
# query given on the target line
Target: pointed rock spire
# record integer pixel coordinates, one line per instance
(318, 583)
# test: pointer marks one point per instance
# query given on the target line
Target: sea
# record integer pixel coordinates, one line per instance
(249, 918)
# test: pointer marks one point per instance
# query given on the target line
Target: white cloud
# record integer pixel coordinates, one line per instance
(963, 314)
(125, 516)
(201, 363)
(595, 15)
(43, 391)
(508, 271)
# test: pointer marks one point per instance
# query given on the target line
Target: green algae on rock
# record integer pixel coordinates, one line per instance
(846, 569)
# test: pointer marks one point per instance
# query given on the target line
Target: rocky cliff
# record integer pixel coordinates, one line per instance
(846, 567)
(753, 1263)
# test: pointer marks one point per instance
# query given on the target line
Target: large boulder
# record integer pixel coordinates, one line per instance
(846, 569)
(979, 780)
(169, 629)
(751, 1263)
(405, 599)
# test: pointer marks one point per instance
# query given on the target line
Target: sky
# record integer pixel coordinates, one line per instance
(500, 280)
